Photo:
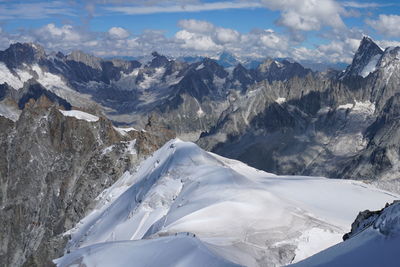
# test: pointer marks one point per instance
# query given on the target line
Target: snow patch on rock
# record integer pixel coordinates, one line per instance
(17, 80)
(371, 66)
(80, 115)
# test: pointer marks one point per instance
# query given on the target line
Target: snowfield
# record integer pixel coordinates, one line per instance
(176, 251)
(80, 115)
(235, 214)
(377, 245)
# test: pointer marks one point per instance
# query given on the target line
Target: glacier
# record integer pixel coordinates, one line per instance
(184, 207)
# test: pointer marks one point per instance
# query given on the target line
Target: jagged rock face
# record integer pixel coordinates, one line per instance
(52, 168)
(365, 59)
(273, 70)
(242, 78)
(324, 125)
(35, 91)
(280, 117)
(18, 53)
(128, 91)
(379, 161)
(384, 220)
(227, 60)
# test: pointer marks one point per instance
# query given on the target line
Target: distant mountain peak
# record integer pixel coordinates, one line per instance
(87, 59)
(158, 60)
(365, 60)
(227, 59)
(19, 53)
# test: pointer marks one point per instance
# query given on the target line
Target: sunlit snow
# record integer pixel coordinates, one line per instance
(241, 214)
(80, 115)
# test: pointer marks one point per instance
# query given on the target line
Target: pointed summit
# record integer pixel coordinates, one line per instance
(368, 44)
(365, 59)
(227, 60)
(87, 59)
(158, 60)
(19, 53)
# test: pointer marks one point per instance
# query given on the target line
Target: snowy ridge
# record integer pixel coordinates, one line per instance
(371, 66)
(80, 115)
(17, 80)
(9, 111)
(365, 60)
(181, 250)
(124, 130)
(241, 214)
(377, 245)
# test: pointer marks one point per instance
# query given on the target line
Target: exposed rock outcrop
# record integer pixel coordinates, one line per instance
(52, 168)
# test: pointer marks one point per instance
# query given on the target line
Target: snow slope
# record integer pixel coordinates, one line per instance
(15, 80)
(9, 110)
(80, 115)
(377, 245)
(244, 215)
(371, 66)
(176, 251)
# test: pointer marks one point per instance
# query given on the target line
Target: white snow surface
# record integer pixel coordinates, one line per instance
(16, 80)
(199, 67)
(177, 251)
(124, 130)
(371, 66)
(377, 245)
(241, 214)
(151, 80)
(9, 111)
(280, 100)
(80, 115)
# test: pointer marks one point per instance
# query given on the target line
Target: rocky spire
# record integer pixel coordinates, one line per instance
(365, 59)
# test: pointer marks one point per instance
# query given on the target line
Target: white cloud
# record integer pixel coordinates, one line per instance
(194, 38)
(338, 50)
(37, 10)
(65, 37)
(198, 26)
(307, 15)
(173, 8)
(118, 33)
(224, 35)
(204, 36)
(363, 4)
(387, 25)
(387, 43)
(196, 41)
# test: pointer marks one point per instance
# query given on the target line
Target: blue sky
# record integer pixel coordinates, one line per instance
(316, 30)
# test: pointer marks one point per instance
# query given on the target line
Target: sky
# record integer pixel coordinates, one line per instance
(304, 30)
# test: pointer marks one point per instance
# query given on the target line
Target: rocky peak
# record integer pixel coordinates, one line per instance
(274, 70)
(19, 53)
(243, 76)
(269, 64)
(365, 60)
(158, 60)
(89, 60)
(212, 66)
(386, 221)
(390, 56)
(227, 59)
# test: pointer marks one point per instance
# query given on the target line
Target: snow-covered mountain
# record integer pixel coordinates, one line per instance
(375, 242)
(261, 116)
(279, 117)
(188, 97)
(365, 60)
(328, 124)
(199, 209)
(53, 164)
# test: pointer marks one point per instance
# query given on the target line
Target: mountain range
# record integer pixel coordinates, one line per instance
(280, 117)
(80, 175)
